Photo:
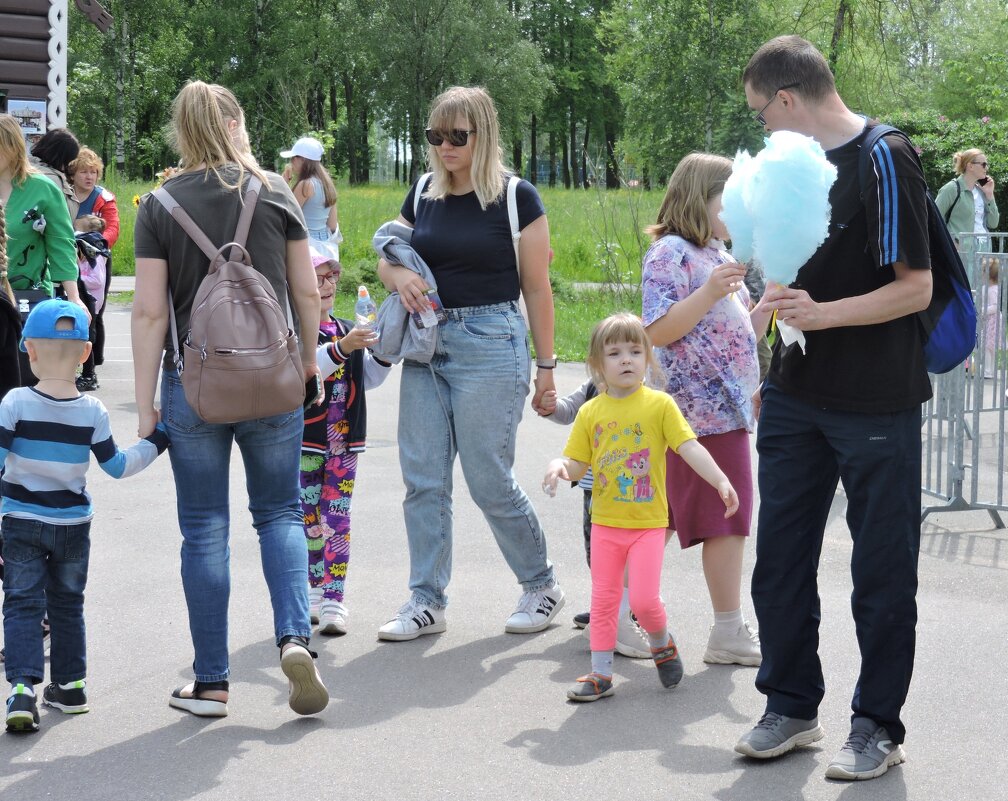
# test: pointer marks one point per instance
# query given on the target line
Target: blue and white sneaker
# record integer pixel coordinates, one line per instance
(22, 710)
(867, 754)
(413, 619)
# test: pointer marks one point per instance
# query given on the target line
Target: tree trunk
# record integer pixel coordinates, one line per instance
(351, 137)
(552, 159)
(584, 156)
(396, 139)
(516, 156)
(843, 9)
(120, 127)
(364, 162)
(611, 167)
(333, 113)
(533, 153)
(572, 178)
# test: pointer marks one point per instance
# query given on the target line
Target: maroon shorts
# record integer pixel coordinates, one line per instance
(696, 512)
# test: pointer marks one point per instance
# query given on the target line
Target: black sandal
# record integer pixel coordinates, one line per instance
(188, 698)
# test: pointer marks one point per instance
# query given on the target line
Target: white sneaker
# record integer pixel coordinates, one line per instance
(536, 610)
(739, 648)
(314, 602)
(332, 618)
(413, 619)
(631, 641)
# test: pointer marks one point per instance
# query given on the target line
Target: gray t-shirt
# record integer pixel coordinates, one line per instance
(215, 209)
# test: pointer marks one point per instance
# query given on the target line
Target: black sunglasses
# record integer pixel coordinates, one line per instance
(458, 137)
(981, 163)
(759, 114)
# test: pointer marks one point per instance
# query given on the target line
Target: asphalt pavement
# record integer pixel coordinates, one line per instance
(475, 713)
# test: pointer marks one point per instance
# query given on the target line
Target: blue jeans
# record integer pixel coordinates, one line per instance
(45, 564)
(468, 402)
(803, 451)
(200, 457)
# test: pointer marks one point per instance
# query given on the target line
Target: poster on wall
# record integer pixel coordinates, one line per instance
(31, 116)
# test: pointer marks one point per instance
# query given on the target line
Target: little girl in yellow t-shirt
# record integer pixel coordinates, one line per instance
(622, 434)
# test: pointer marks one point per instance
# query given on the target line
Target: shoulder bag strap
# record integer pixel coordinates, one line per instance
(512, 209)
(181, 216)
(948, 214)
(421, 184)
(245, 220)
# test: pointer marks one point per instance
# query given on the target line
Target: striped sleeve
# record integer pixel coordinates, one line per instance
(896, 205)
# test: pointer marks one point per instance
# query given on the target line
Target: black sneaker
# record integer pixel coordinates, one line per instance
(22, 711)
(582, 619)
(87, 383)
(73, 701)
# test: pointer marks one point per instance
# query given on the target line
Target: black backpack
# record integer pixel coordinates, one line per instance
(949, 322)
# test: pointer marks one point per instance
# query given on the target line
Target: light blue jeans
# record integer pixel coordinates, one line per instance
(200, 457)
(468, 402)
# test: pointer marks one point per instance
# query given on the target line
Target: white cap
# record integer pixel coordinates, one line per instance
(306, 147)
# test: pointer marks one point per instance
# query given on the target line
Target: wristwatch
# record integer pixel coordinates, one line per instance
(547, 364)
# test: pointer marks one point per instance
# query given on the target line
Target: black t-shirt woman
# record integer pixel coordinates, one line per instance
(468, 401)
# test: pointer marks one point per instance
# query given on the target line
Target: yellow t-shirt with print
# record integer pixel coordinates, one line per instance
(624, 441)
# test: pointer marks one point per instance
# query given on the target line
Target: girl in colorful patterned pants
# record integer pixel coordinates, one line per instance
(335, 430)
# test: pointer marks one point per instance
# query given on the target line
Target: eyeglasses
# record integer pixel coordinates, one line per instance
(759, 114)
(458, 137)
(981, 163)
(331, 276)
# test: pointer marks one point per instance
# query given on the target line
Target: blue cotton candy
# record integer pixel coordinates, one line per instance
(784, 190)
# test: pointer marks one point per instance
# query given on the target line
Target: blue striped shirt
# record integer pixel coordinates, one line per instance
(45, 449)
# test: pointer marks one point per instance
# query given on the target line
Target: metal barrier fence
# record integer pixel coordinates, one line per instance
(963, 425)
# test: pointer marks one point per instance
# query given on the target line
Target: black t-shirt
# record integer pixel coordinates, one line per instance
(869, 368)
(469, 250)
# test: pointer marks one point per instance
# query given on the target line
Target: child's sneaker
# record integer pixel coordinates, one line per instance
(670, 666)
(22, 711)
(591, 688)
(332, 618)
(69, 698)
(741, 647)
(413, 619)
(314, 603)
(536, 610)
(582, 619)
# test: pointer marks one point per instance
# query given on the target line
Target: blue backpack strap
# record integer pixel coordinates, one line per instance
(870, 140)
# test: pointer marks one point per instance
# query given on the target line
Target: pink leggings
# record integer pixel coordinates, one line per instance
(611, 550)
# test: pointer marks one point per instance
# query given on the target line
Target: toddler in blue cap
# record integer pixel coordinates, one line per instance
(47, 435)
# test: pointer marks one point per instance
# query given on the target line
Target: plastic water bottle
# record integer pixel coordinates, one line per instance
(365, 310)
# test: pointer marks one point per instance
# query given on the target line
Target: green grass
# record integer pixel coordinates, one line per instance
(596, 238)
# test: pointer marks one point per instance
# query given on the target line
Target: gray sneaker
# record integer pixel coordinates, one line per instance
(777, 734)
(867, 754)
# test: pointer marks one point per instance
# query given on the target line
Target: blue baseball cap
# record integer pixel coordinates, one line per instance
(41, 322)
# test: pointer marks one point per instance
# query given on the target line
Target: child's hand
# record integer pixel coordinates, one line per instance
(557, 469)
(725, 279)
(727, 493)
(357, 338)
(548, 403)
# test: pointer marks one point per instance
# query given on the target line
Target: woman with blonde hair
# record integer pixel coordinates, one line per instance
(10, 323)
(40, 238)
(468, 401)
(967, 201)
(696, 310)
(208, 131)
(313, 189)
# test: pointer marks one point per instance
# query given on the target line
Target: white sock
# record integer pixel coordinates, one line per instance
(602, 662)
(728, 622)
(624, 604)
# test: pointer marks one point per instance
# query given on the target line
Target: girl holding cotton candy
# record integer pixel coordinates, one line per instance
(697, 313)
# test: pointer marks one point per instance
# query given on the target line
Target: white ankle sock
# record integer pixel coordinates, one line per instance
(602, 662)
(728, 622)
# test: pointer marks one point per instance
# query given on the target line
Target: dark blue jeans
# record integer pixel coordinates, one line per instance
(803, 451)
(45, 565)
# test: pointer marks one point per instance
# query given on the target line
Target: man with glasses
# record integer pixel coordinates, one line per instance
(847, 409)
